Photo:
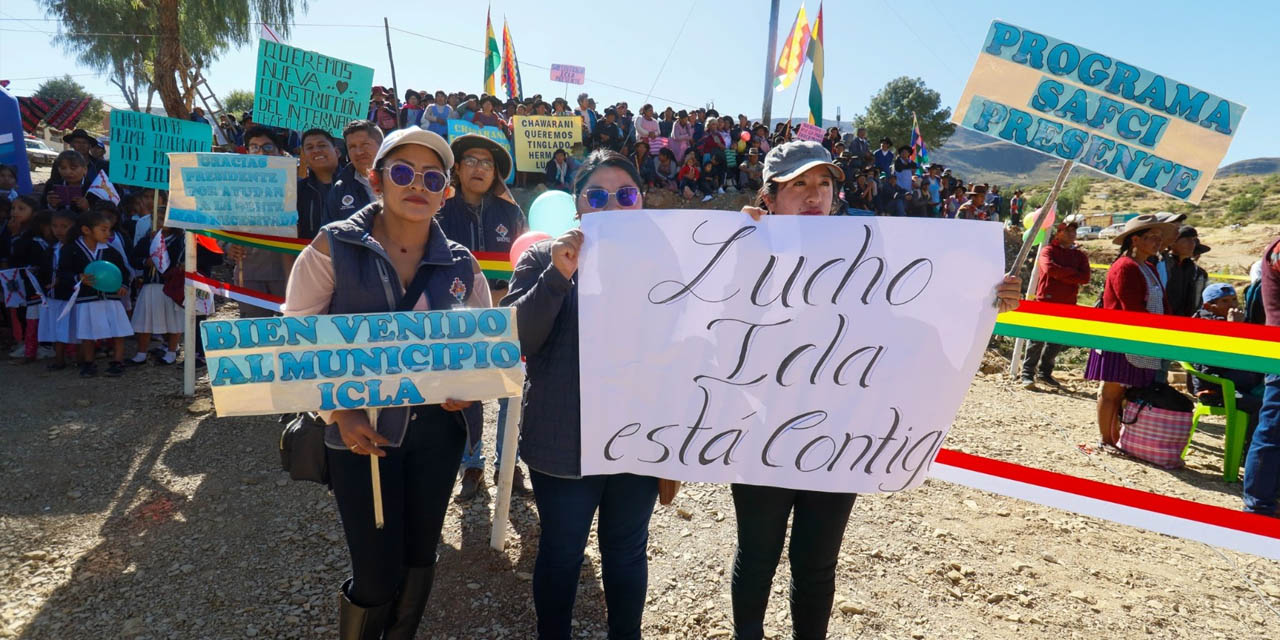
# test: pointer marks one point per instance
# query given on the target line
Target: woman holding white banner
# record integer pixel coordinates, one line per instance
(799, 179)
(392, 255)
(545, 293)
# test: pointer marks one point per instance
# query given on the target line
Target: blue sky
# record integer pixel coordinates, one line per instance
(1227, 50)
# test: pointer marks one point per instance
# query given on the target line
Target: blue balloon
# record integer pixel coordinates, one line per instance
(106, 276)
(553, 213)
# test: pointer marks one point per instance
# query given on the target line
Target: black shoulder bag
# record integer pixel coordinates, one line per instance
(302, 448)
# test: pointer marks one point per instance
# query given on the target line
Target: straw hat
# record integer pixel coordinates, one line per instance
(1142, 223)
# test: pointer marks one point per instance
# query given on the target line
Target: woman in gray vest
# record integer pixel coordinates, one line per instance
(392, 255)
(544, 290)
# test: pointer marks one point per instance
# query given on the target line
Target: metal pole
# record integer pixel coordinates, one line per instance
(799, 79)
(189, 317)
(507, 470)
(1019, 345)
(766, 110)
(395, 88)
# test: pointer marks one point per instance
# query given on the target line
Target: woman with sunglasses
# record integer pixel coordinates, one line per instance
(545, 294)
(392, 255)
(799, 179)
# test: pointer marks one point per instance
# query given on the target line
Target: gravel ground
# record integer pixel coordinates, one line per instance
(132, 512)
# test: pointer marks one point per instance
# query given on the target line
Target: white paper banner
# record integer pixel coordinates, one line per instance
(825, 353)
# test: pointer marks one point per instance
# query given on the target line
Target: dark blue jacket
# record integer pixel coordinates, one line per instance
(312, 195)
(365, 282)
(492, 227)
(346, 196)
(547, 319)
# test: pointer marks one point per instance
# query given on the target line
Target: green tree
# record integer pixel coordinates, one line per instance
(66, 88)
(238, 101)
(889, 113)
(166, 44)
(1070, 197)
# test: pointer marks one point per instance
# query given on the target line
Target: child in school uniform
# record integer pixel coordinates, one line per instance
(55, 326)
(98, 315)
(156, 312)
(28, 254)
(17, 251)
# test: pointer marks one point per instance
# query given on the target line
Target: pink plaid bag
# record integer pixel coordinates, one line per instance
(1155, 435)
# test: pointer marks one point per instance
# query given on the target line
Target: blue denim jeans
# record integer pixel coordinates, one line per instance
(1262, 464)
(566, 508)
(471, 455)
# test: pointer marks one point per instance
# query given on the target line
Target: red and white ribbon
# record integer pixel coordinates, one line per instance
(1217, 526)
(239, 294)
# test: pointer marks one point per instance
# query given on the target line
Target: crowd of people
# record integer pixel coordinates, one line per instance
(698, 153)
(394, 210)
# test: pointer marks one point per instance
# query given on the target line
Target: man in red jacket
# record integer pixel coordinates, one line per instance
(1063, 268)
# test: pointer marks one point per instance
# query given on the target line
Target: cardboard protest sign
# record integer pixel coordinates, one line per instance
(235, 192)
(812, 132)
(300, 89)
(824, 353)
(568, 73)
(141, 142)
(358, 361)
(462, 127)
(1118, 119)
(538, 137)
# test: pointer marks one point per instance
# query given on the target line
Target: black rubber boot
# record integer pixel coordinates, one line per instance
(406, 612)
(360, 623)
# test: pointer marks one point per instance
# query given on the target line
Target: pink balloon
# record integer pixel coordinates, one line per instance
(746, 136)
(1049, 219)
(525, 241)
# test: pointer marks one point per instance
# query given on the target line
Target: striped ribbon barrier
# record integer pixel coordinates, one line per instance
(237, 293)
(1237, 345)
(1209, 524)
(1215, 276)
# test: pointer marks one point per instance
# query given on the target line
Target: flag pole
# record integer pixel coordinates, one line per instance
(395, 88)
(766, 109)
(799, 78)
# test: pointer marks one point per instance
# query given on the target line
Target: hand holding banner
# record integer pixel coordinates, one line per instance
(361, 361)
(763, 353)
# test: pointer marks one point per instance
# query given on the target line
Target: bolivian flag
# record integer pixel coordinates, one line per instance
(815, 74)
(492, 58)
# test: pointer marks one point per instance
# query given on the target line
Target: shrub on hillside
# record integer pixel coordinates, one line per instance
(1244, 203)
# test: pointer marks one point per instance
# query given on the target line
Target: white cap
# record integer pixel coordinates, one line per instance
(418, 136)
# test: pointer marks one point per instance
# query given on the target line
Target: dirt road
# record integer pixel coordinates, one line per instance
(131, 512)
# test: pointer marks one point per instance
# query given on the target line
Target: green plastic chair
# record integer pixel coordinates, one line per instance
(1237, 423)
